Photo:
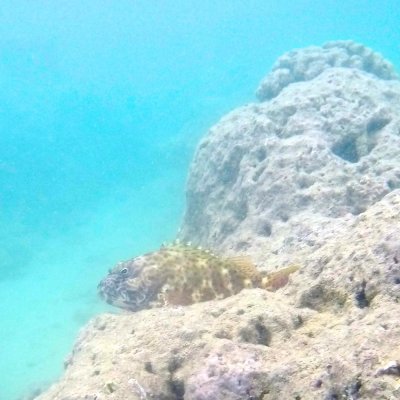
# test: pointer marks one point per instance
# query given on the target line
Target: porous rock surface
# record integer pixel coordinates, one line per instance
(272, 172)
(306, 64)
(309, 177)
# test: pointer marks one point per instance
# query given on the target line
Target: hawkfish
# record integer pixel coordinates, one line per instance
(180, 274)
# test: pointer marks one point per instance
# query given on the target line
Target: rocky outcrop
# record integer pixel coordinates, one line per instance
(310, 177)
(326, 335)
(306, 64)
(276, 171)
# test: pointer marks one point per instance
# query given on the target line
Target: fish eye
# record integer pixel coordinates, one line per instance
(123, 271)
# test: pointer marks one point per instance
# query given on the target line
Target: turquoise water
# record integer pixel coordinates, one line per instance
(101, 106)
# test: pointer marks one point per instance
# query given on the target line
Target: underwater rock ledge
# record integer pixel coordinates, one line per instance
(313, 339)
(309, 177)
(283, 173)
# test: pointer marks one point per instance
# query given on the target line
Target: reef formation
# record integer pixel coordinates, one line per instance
(309, 176)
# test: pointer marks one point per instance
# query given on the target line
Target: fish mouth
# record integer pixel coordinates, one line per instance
(108, 289)
(114, 292)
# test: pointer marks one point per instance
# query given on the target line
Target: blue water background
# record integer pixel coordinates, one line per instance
(101, 106)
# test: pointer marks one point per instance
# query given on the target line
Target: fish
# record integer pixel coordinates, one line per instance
(181, 274)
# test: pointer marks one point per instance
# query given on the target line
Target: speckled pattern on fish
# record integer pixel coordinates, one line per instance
(181, 275)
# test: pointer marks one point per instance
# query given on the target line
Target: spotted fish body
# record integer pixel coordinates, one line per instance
(181, 275)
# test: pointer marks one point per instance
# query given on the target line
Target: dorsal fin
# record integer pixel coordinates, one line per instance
(275, 280)
(241, 260)
(245, 264)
